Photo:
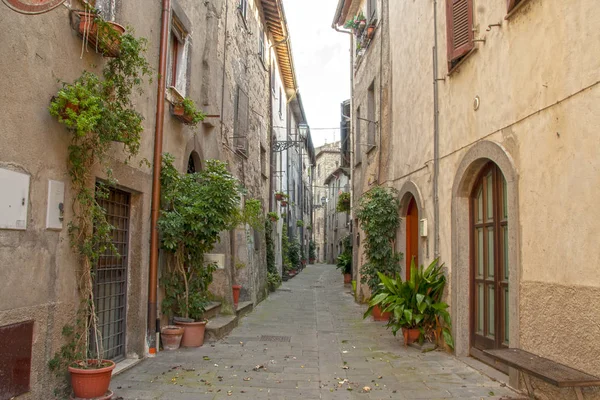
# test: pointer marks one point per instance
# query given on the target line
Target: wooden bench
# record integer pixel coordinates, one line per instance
(549, 371)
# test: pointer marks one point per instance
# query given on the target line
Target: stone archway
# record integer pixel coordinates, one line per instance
(410, 196)
(472, 163)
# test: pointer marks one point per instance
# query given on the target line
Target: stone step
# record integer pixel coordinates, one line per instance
(244, 308)
(220, 326)
(212, 310)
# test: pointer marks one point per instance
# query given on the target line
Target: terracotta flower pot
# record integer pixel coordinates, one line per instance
(411, 335)
(89, 383)
(284, 203)
(370, 31)
(379, 316)
(236, 294)
(278, 196)
(311, 261)
(179, 113)
(170, 336)
(193, 334)
(347, 278)
(109, 46)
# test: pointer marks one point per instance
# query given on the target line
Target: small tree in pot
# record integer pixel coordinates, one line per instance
(196, 208)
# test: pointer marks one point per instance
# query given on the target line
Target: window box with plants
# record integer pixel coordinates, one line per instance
(273, 216)
(284, 203)
(96, 109)
(103, 36)
(279, 196)
(357, 23)
(187, 112)
(191, 220)
(416, 305)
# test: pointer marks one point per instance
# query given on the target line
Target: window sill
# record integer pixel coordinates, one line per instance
(461, 62)
(241, 152)
(371, 148)
(515, 9)
(173, 96)
(244, 20)
(358, 164)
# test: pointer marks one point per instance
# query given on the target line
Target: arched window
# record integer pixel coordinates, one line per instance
(489, 260)
(193, 163)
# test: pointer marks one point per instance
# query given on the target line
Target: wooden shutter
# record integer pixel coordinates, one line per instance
(459, 22)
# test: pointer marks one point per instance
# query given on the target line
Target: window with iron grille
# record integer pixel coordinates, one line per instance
(371, 130)
(263, 161)
(110, 276)
(240, 131)
(460, 35)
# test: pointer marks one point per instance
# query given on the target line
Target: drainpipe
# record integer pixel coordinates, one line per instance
(158, 145)
(436, 139)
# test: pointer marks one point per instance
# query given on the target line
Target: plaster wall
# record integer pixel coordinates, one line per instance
(543, 122)
(38, 278)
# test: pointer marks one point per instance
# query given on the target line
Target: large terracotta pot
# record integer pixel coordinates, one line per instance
(109, 46)
(379, 316)
(171, 337)
(410, 335)
(193, 334)
(92, 382)
(236, 294)
(347, 278)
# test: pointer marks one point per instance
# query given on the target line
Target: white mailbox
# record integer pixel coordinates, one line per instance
(14, 198)
(423, 228)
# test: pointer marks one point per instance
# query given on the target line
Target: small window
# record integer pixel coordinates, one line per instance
(263, 161)
(460, 35)
(273, 78)
(371, 116)
(106, 8)
(177, 73)
(240, 131)
(243, 7)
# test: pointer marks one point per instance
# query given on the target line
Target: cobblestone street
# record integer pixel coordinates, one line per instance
(307, 341)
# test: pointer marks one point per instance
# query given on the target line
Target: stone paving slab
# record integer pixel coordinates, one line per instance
(332, 353)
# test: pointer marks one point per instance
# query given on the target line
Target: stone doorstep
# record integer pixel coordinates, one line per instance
(244, 308)
(212, 310)
(220, 326)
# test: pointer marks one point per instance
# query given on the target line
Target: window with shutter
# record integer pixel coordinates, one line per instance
(240, 132)
(357, 138)
(459, 22)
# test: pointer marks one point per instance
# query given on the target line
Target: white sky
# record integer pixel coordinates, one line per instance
(321, 59)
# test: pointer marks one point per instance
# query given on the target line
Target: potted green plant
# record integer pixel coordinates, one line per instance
(196, 208)
(416, 305)
(187, 112)
(344, 264)
(294, 255)
(284, 203)
(281, 196)
(103, 36)
(273, 216)
(312, 255)
(96, 110)
(273, 281)
(379, 220)
(343, 204)
(299, 223)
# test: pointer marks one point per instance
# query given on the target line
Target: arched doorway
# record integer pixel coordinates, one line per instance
(412, 235)
(193, 164)
(489, 266)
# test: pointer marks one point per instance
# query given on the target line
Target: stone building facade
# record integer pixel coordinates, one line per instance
(221, 54)
(337, 224)
(503, 112)
(327, 160)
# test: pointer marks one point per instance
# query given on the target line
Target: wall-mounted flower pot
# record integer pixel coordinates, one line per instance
(193, 334)
(278, 196)
(104, 41)
(284, 203)
(89, 383)
(236, 294)
(170, 336)
(178, 112)
(347, 278)
(379, 316)
(370, 31)
(411, 335)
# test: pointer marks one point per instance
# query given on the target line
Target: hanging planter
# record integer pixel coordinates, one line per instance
(104, 36)
(284, 203)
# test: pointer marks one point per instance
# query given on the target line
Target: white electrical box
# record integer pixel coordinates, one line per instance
(14, 198)
(423, 228)
(218, 259)
(56, 207)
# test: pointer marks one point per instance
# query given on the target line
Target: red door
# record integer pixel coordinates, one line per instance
(412, 235)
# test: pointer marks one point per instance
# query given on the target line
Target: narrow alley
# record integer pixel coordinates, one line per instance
(306, 341)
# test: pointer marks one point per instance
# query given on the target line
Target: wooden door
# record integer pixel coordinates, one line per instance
(489, 262)
(412, 235)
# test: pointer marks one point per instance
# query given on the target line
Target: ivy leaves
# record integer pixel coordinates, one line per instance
(379, 219)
